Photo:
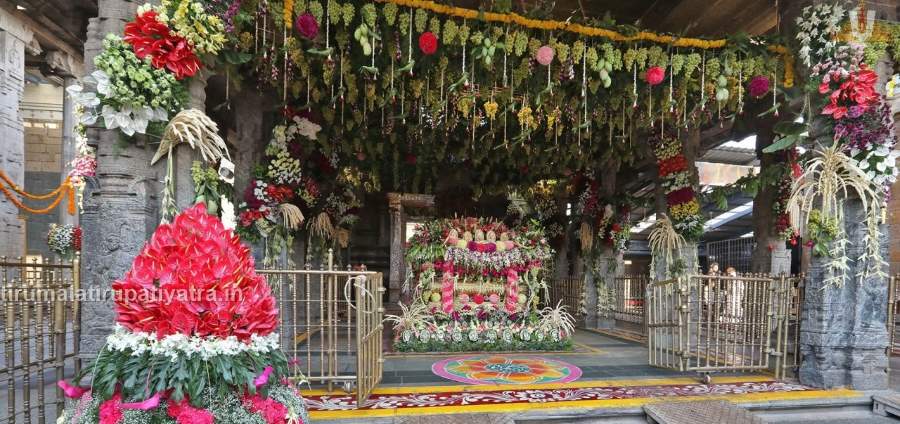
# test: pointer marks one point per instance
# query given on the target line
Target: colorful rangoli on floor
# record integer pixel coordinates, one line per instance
(461, 401)
(505, 369)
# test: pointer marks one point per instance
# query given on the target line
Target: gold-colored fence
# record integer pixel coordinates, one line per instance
(569, 292)
(629, 302)
(716, 323)
(331, 325)
(40, 333)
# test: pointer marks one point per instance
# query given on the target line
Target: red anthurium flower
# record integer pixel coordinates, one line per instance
(194, 277)
(151, 38)
(857, 90)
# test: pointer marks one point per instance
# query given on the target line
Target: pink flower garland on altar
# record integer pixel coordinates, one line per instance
(447, 283)
(512, 290)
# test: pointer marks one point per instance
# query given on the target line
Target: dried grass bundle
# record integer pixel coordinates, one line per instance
(291, 215)
(321, 227)
(586, 235)
(198, 130)
(664, 240)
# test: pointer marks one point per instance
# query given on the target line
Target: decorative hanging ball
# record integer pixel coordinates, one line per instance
(478, 299)
(494, 298)
(544, 55)
(759, 86)
(428, 43)
(307, 26)
(655, 75)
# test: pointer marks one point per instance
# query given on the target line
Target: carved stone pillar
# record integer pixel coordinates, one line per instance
(14, 37)
(843, 335)
(608, 265)
(122, 210)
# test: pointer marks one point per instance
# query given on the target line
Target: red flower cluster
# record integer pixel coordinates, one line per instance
(194, 277)
(151, 38)
(858, 89)
(184, 413)
(111, 410)
(655, 75)
(280, 194)
(428, 43)
(76, 239)
(271, 411)
(672, 165)
(680, 196)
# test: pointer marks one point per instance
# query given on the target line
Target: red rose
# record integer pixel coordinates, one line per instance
(655, 75)
(428, 43)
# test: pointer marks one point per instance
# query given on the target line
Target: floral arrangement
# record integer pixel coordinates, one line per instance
(138, 76)
(681, 197)
(603, 222)
(64, 240)
(297, 186)
(850, 140)
(474, 276)
(169, 361)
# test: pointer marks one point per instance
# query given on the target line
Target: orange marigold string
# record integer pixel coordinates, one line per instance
(66, 189)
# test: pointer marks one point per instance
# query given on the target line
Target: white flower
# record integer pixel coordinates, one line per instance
(102, 80)
(307, 128)
(228, 218)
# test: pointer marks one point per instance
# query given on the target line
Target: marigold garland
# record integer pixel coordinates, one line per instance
(64, 190)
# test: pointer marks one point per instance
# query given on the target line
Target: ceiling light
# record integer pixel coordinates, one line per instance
(20, 7)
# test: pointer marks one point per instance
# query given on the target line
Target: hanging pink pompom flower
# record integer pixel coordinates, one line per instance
(307, 26)
(655, 75)
(544, 55)
(428, 43)
(759, 85)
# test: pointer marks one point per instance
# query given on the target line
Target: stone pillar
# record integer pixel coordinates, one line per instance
(122, 210)
(684, 260)
(608, 266)
(14, 37)
(843, 335)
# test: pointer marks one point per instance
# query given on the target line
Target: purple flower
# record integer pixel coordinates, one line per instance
(856, 111)
(759, 86)
(307, 26)
(455, 315)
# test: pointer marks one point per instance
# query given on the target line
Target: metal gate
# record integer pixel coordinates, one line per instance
(40, 331)
(715, 323)
(331, 325)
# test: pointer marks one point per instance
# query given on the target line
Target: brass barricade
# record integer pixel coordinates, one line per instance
(568, 291)
(718, 323)
(331, 325)
(40, 333)
(629, 304)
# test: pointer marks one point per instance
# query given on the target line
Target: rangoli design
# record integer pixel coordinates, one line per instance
(504, 369)
(463, 399)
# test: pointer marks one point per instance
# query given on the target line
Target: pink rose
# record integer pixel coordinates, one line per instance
(759, 85)
(494, 298)
(544, 55)
(307, 26)
(464, 298)
(655, 75)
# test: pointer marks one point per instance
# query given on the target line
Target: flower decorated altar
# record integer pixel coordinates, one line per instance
(477, 286)
(195, 339)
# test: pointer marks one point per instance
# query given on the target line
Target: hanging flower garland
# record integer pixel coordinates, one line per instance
(296, 186)
(64, 240)
(677, 182)
(604, 222)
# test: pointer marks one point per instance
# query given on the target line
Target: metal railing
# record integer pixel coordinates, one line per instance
(568, 291)
(716, 323)
(40, 333)
(331, 325)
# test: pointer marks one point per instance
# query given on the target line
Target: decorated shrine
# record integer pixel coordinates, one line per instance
(478, 285)
(494, 183)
